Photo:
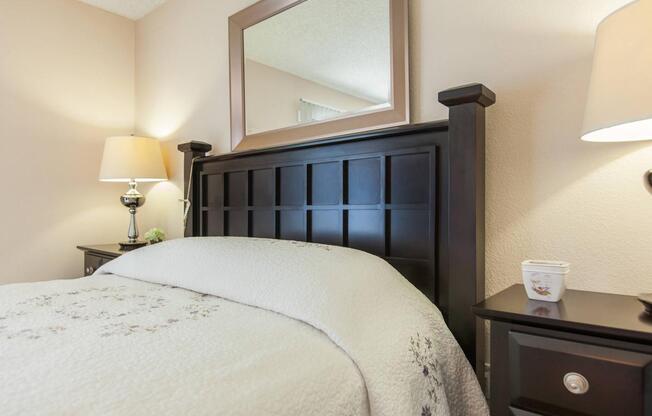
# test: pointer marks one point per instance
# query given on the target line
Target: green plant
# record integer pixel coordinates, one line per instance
(155, 235)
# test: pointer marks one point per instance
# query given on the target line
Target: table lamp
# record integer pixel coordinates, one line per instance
(619, 103)
(132, 159)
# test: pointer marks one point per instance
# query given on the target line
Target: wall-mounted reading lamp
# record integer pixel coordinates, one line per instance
(619, 104)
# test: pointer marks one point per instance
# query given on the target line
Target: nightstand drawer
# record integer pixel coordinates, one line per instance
(93, 262)
(554, 376)
(97, 255)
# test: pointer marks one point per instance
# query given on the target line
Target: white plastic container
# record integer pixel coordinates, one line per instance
(545, 280)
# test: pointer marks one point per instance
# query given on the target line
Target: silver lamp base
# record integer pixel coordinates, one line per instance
(132, 199)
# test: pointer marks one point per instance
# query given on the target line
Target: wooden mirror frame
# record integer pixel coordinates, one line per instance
(397, 114)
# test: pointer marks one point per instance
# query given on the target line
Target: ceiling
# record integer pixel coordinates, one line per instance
(341, 44)
(132, 9)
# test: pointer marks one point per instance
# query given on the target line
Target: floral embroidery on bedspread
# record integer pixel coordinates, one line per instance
(423, 357)
(114, 311)
(300, 244)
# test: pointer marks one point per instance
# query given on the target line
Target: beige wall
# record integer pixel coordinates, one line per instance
(264, 81)
(66, 83)
(182, 90)
(549, 195)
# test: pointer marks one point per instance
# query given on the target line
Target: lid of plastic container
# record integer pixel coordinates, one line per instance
(546, 263)
(545, 266)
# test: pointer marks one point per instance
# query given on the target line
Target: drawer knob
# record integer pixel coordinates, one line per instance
(576, 383)
(90, 270)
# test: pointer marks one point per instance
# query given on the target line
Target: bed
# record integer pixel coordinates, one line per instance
(334, 277)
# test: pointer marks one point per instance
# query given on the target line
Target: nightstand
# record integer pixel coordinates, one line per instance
(589, 354)
(97, 255)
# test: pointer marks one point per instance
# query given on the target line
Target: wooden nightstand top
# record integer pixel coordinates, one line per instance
(579, 311)
(108, 250)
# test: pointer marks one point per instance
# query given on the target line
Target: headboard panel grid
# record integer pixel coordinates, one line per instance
(343, 201)
(413, 195)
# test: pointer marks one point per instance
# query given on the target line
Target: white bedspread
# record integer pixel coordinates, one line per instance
(107, 345)
(192, 354)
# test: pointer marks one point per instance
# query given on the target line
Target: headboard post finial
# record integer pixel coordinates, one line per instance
(467, 207)
(191, 150)
(195, 146)
(465, 94)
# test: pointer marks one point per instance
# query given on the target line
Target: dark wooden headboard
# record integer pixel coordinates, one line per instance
(413, 195)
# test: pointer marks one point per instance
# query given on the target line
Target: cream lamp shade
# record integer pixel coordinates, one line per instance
(619, 104)
(129, 158)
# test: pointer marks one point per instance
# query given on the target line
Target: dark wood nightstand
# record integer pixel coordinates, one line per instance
(97, 255)
(589, 354)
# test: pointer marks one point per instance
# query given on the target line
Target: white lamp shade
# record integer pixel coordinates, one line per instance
(128, 158)
(619, 105)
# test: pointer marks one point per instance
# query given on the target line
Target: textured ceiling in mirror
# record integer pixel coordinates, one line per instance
(337, 43)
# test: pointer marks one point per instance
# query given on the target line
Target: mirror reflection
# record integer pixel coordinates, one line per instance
(319, 60)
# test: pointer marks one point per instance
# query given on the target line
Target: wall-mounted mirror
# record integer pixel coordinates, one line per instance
(305, 69)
